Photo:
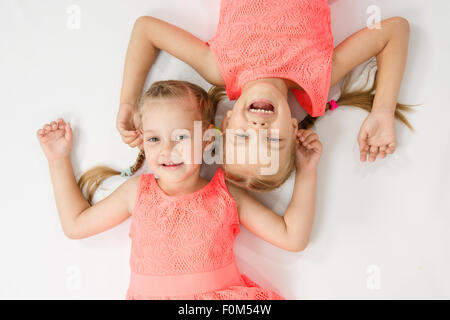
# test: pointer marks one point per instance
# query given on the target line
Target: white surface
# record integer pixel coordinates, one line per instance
(381, 230)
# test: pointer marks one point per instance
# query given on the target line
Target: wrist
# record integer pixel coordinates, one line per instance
(385, 108)
(306, 172)
(126, 104)
(63, 160)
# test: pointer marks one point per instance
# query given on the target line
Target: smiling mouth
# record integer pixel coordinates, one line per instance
(261, 107)
(171, 165)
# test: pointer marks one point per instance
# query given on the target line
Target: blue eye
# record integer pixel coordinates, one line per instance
(153, 139)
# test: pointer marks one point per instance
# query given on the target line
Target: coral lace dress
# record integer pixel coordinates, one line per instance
(288, 39)
(182, 246)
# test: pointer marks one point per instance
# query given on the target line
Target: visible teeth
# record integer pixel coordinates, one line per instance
(261, 110)
(171, 164)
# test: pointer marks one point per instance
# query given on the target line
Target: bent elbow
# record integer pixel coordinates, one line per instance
(298, 247)
(142, 21)
(402, 24)
(71, 235)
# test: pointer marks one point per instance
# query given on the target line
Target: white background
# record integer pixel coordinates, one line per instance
(381, 229)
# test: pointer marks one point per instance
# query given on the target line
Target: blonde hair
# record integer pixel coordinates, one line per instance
(361, 98)
(91, 180)
(261, 183)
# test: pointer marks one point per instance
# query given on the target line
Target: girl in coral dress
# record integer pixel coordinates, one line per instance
(262, 50)
(183, 227)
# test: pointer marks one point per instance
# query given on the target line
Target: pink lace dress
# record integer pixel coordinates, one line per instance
(182, 246)
(289, 39)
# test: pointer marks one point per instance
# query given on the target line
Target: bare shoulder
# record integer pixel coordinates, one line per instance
(129, 191)
(213, 74)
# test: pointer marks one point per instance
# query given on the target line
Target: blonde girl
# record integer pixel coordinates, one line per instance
(182, 226)
(263, 49)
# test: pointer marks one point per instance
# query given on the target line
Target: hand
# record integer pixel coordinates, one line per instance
(56, 139)
(377, 136)
(127, 123)
(309, 150)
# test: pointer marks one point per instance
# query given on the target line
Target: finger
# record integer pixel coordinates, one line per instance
(54, 125)
(391, 148)
(40, 133)
(61, 124)
(124, 131)
(68, 133)
(306, 134)
(136, 142)
(363, 153)
(310, 145)
(315, 146)
(311, 138)
(373, 153)
(127, 133)
(128, 140)
(47, 128)
(363, 146)
(299, 136)
(382, 155)
(382, 152)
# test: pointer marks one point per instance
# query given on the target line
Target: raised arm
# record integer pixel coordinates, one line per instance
(78, 218)
(292, 230)
(149, 36)
(389, 44)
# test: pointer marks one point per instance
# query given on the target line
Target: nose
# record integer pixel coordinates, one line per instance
(166, 149)
(170, 151)
(259, 123)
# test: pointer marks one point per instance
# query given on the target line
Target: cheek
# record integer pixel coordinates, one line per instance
(183, 150)
(151, 154)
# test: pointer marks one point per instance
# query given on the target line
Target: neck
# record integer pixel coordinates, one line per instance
(189, 185)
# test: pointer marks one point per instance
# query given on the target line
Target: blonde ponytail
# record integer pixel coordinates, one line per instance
(362, 98)
(216, 94)
(91, 179)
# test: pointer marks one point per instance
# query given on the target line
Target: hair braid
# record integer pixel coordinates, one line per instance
(93, 178)
(139, 162)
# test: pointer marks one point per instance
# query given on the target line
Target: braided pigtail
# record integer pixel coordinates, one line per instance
(91, 179)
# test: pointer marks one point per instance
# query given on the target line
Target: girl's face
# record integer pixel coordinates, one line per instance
(168, 132)
(261, 105)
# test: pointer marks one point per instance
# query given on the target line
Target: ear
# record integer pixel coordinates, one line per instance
(141, 132)
(294, 124)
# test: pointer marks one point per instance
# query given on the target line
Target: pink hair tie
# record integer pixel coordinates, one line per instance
(333, 105)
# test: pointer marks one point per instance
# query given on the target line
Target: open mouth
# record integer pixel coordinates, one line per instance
(261, 107)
